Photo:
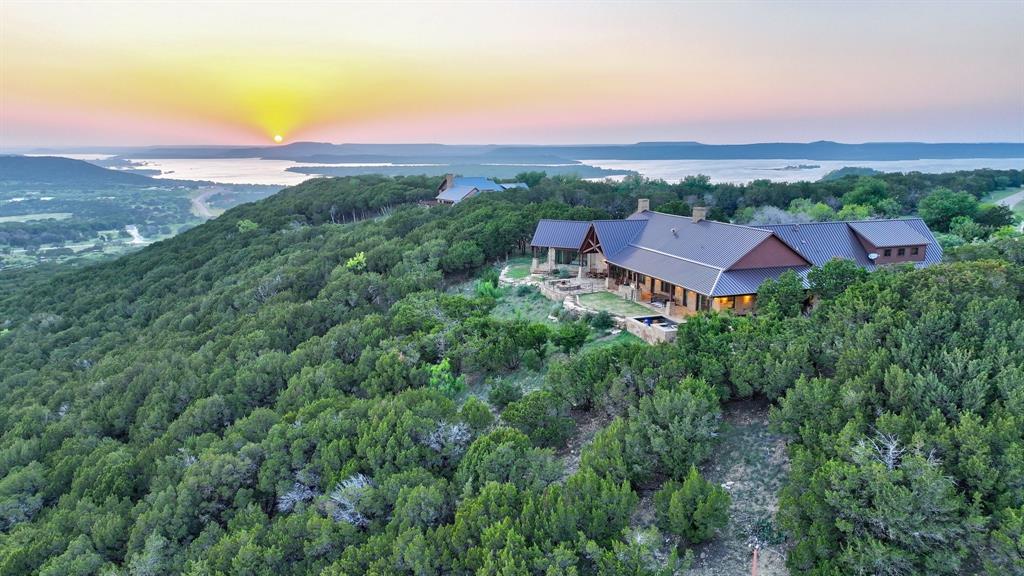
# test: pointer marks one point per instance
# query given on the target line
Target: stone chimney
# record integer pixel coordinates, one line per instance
(700, 213)
(449, 180)
(643, 204)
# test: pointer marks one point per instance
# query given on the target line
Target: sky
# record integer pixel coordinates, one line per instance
(188, 72)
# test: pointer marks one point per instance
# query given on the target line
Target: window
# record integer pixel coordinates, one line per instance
(901, 252)
(913, 251)
(888, 251)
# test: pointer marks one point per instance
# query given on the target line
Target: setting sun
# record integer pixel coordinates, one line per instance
(277, 138)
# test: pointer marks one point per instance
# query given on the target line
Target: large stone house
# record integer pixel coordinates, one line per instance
(684, 264)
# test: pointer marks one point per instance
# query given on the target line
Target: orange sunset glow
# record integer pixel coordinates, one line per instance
(213, 72)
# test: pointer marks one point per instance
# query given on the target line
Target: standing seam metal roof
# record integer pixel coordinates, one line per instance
(614, 235)
(888, 233)
(820, 242)
(456, 193)
(713, 243)
(565, 234)
(697, 256)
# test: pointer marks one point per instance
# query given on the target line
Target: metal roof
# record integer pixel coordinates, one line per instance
(697, 255)
(511, 185)
(614, 235)
(456, 193)
(566, 234)
(679, 271)
(478, 182)
(709, 242)
(820, 242)
(747, 281)
(888, 233)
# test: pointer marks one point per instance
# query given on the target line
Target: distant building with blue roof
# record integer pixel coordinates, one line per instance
(454, 189)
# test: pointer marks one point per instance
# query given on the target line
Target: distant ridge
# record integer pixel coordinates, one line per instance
(525, 154)
(56, 170)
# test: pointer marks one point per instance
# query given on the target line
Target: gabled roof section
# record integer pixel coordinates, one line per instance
(614, 235)
(478, 182)
(888, 233)
(679, 271)
(709, 242)
(456, 193)
(511, 185)
(820, 242)
(565, 234)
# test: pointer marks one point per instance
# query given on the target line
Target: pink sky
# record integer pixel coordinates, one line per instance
(114, 73)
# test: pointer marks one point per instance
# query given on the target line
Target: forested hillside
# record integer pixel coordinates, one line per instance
(297, 387)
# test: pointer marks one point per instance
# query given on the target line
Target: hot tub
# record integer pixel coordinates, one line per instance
(652, 329)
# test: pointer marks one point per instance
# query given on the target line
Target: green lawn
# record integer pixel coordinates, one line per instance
(519, 268)
(530, 304)
(40, 216)
(613, 304)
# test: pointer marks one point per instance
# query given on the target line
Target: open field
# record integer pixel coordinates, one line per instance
(613, 304)
(39, 216)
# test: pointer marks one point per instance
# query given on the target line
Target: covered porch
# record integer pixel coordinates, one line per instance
(671, 300)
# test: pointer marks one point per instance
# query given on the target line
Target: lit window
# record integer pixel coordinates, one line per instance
(888, 251)
(901, 252)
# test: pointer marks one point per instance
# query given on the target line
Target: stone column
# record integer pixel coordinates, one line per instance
(551, 259)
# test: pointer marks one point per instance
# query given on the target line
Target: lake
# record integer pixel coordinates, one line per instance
(258, 171)
(740, 171)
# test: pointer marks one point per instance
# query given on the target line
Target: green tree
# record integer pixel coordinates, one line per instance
(672, 429)
(245, 225)
(541, 416)
(868, 191)
(939, 208)
(570, 336)
(783, 297)
(463, 255)
(834, 277)
(693, 509)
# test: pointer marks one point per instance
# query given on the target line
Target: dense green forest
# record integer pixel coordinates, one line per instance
(302, 386)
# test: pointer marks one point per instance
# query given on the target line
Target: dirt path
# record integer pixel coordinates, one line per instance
(751, 463)
(199, 207)
(1012, 200)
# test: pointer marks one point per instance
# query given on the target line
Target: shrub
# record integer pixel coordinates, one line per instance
(463, 255)
(476, 413)
(490, 276)
(602, 320)
(505, 455)
(541, 416)
(444, 380)
(485, 288)
(672, 429)
(571, 336)
(504, 392)
(693, 509)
